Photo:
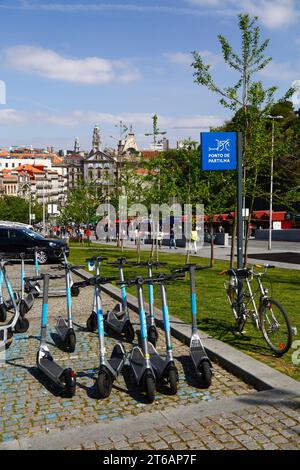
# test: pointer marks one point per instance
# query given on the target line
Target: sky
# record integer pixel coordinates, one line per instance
(69, 65)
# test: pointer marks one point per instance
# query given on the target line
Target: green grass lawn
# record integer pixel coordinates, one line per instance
(214, 313)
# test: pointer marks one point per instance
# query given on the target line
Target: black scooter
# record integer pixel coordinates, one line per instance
(64, 377)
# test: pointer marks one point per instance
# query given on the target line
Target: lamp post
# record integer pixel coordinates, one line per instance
(273, 118)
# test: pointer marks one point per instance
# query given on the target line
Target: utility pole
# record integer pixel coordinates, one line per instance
(273, 118)
(155, 132)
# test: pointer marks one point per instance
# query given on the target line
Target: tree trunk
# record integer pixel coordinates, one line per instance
(212, 246)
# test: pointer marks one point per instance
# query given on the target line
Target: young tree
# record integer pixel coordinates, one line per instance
(246, 96)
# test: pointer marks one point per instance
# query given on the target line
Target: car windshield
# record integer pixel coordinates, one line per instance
(35, 235)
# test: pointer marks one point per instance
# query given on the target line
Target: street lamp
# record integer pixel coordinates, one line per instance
(273, 118)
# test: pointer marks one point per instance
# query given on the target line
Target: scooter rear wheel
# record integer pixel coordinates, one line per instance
(91, 323)
(128, 332)
(152, 335)
(149, 385)
(206, 374)
(22, 325)
(104, 384)
(70, 342)
(172, 379)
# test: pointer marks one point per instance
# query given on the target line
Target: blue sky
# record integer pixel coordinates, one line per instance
(68, 65)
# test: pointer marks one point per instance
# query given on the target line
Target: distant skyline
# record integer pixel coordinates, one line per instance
(68, 65)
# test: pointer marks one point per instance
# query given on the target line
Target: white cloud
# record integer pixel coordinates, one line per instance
(80, 118)
(184, 58)
(49, 64)
(272, 13)
(281, 71)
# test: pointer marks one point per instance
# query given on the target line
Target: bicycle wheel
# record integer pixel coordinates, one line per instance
(232, 295)
(276, 327)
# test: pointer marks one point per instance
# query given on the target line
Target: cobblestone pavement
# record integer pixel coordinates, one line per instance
(31, 406)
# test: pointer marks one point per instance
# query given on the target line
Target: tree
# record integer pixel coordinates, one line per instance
(247, 98)
(82, 204)
(16, 209)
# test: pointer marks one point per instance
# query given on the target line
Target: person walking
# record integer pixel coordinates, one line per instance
(194, 239)
(172, 239)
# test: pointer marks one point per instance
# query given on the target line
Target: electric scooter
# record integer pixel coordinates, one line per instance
(152, 330)
(94, 263)
(109, 369)
(164, 368)
(200, 360)
(118, 320)
(139, 358)
(26, 302)
(64, 327)
(16, 324)
(64, 377)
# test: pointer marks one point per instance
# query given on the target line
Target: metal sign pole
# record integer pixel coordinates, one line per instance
(239, 200)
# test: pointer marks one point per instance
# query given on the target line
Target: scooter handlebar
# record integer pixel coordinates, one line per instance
(186, 268)
(42, 276)
(143, 280)
(96, 258)
(97, 280)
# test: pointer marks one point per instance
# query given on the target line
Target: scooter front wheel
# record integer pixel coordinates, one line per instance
(75, 291)
(3, 313)
(206, 373)
(104, 384)
(91, 323)
(22, 325)
(149, 385)
(23, 308)
(172, 379)
(128, 332)
(70, 342)
(152, 335)
(70, 383)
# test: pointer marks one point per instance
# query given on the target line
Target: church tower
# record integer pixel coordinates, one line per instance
(77, 145)
(96, 139)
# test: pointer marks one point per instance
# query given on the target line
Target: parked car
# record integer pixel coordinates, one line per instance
(16, 239)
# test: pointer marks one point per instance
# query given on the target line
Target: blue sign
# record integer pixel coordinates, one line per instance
(218, 150)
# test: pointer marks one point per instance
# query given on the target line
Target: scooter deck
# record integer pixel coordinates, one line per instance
(117, 357)
(157, 361)
(137, 361)
(197, 351)
(114, 322)
(50, 367)
(62, 327)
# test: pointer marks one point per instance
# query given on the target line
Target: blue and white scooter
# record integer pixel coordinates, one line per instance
(118, 319)
(94, 264)
(200, 360)
(64, 377)
(16, 324)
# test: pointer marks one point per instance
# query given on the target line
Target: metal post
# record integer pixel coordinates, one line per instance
(239, 200)
(271, 189)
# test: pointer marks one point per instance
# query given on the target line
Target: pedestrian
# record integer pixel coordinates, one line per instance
(172, 239)
(194, 239)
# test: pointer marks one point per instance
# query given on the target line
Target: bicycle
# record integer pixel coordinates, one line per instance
(267, 314)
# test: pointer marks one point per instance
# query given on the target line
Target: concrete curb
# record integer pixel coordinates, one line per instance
(252, 371)
(145, 422)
